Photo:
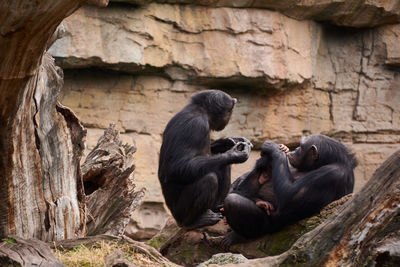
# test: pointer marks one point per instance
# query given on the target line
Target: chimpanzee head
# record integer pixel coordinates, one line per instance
(318, 150)
(304, 157)
(218, 106)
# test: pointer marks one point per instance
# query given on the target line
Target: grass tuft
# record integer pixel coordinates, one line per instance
(95, 254)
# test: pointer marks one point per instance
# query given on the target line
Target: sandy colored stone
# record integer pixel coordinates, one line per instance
(351, 13)
(390, 38)
(206, 42)
(370, 157)
(143, 113)
(147, 220)
(304, 46)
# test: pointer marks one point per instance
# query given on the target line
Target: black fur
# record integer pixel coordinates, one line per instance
(194, 178)
(327, 175)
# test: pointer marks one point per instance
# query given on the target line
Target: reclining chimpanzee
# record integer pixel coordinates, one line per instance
(194, 174)
(324, 173)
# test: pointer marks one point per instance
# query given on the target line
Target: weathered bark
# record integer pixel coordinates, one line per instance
(108, 177)
(387, 251)
(43, 165)
(41, 142)
(350, 237)
(16, 251)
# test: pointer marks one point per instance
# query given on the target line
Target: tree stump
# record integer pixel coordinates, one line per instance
(108, 181)
(41, 195)
(41, 142)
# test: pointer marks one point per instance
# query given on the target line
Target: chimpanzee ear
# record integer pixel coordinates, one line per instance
(314, 152)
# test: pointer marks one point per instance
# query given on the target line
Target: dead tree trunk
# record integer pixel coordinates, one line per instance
(108, 177)
(40, 141)
(357, 235)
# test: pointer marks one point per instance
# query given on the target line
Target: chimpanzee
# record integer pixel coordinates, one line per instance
(324, 173)
(256, 185)
(194, 174)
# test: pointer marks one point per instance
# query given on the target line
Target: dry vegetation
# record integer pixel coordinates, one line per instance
(95, 254)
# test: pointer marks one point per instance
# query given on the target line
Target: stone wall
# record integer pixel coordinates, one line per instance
(137, 65)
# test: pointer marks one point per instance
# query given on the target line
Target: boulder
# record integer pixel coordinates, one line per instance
(224, 258)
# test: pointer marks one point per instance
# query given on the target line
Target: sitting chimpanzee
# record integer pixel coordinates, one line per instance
(194, 175)
(324, 173)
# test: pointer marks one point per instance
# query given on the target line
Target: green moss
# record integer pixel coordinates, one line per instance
(10, 240)
(156, 242)
(160, 239)
(281, 241)
(190, 255)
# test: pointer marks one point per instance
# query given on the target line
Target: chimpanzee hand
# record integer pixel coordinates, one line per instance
(268, 207)
(270, 149)
(284, 148)
(222, 145)
(240, 152)
(241, 139)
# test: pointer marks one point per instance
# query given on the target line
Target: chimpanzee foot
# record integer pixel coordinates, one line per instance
(206, 219)
(231, 239)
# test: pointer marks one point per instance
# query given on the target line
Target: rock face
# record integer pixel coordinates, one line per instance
(137, 65)
(353, 13)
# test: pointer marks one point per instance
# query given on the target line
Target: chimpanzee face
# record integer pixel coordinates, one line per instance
(218, 106)
(304, 157)
(265, 176)
(219, 121)
(220, 109)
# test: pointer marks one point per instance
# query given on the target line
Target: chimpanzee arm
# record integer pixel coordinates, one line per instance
(189, 168)
(301, 198)
(310, 193)
(282, 178)
(195, 164)
(249, 185)
(238, 181)
(202, 165)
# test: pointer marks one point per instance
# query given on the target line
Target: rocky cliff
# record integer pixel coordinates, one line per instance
(296, 67)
